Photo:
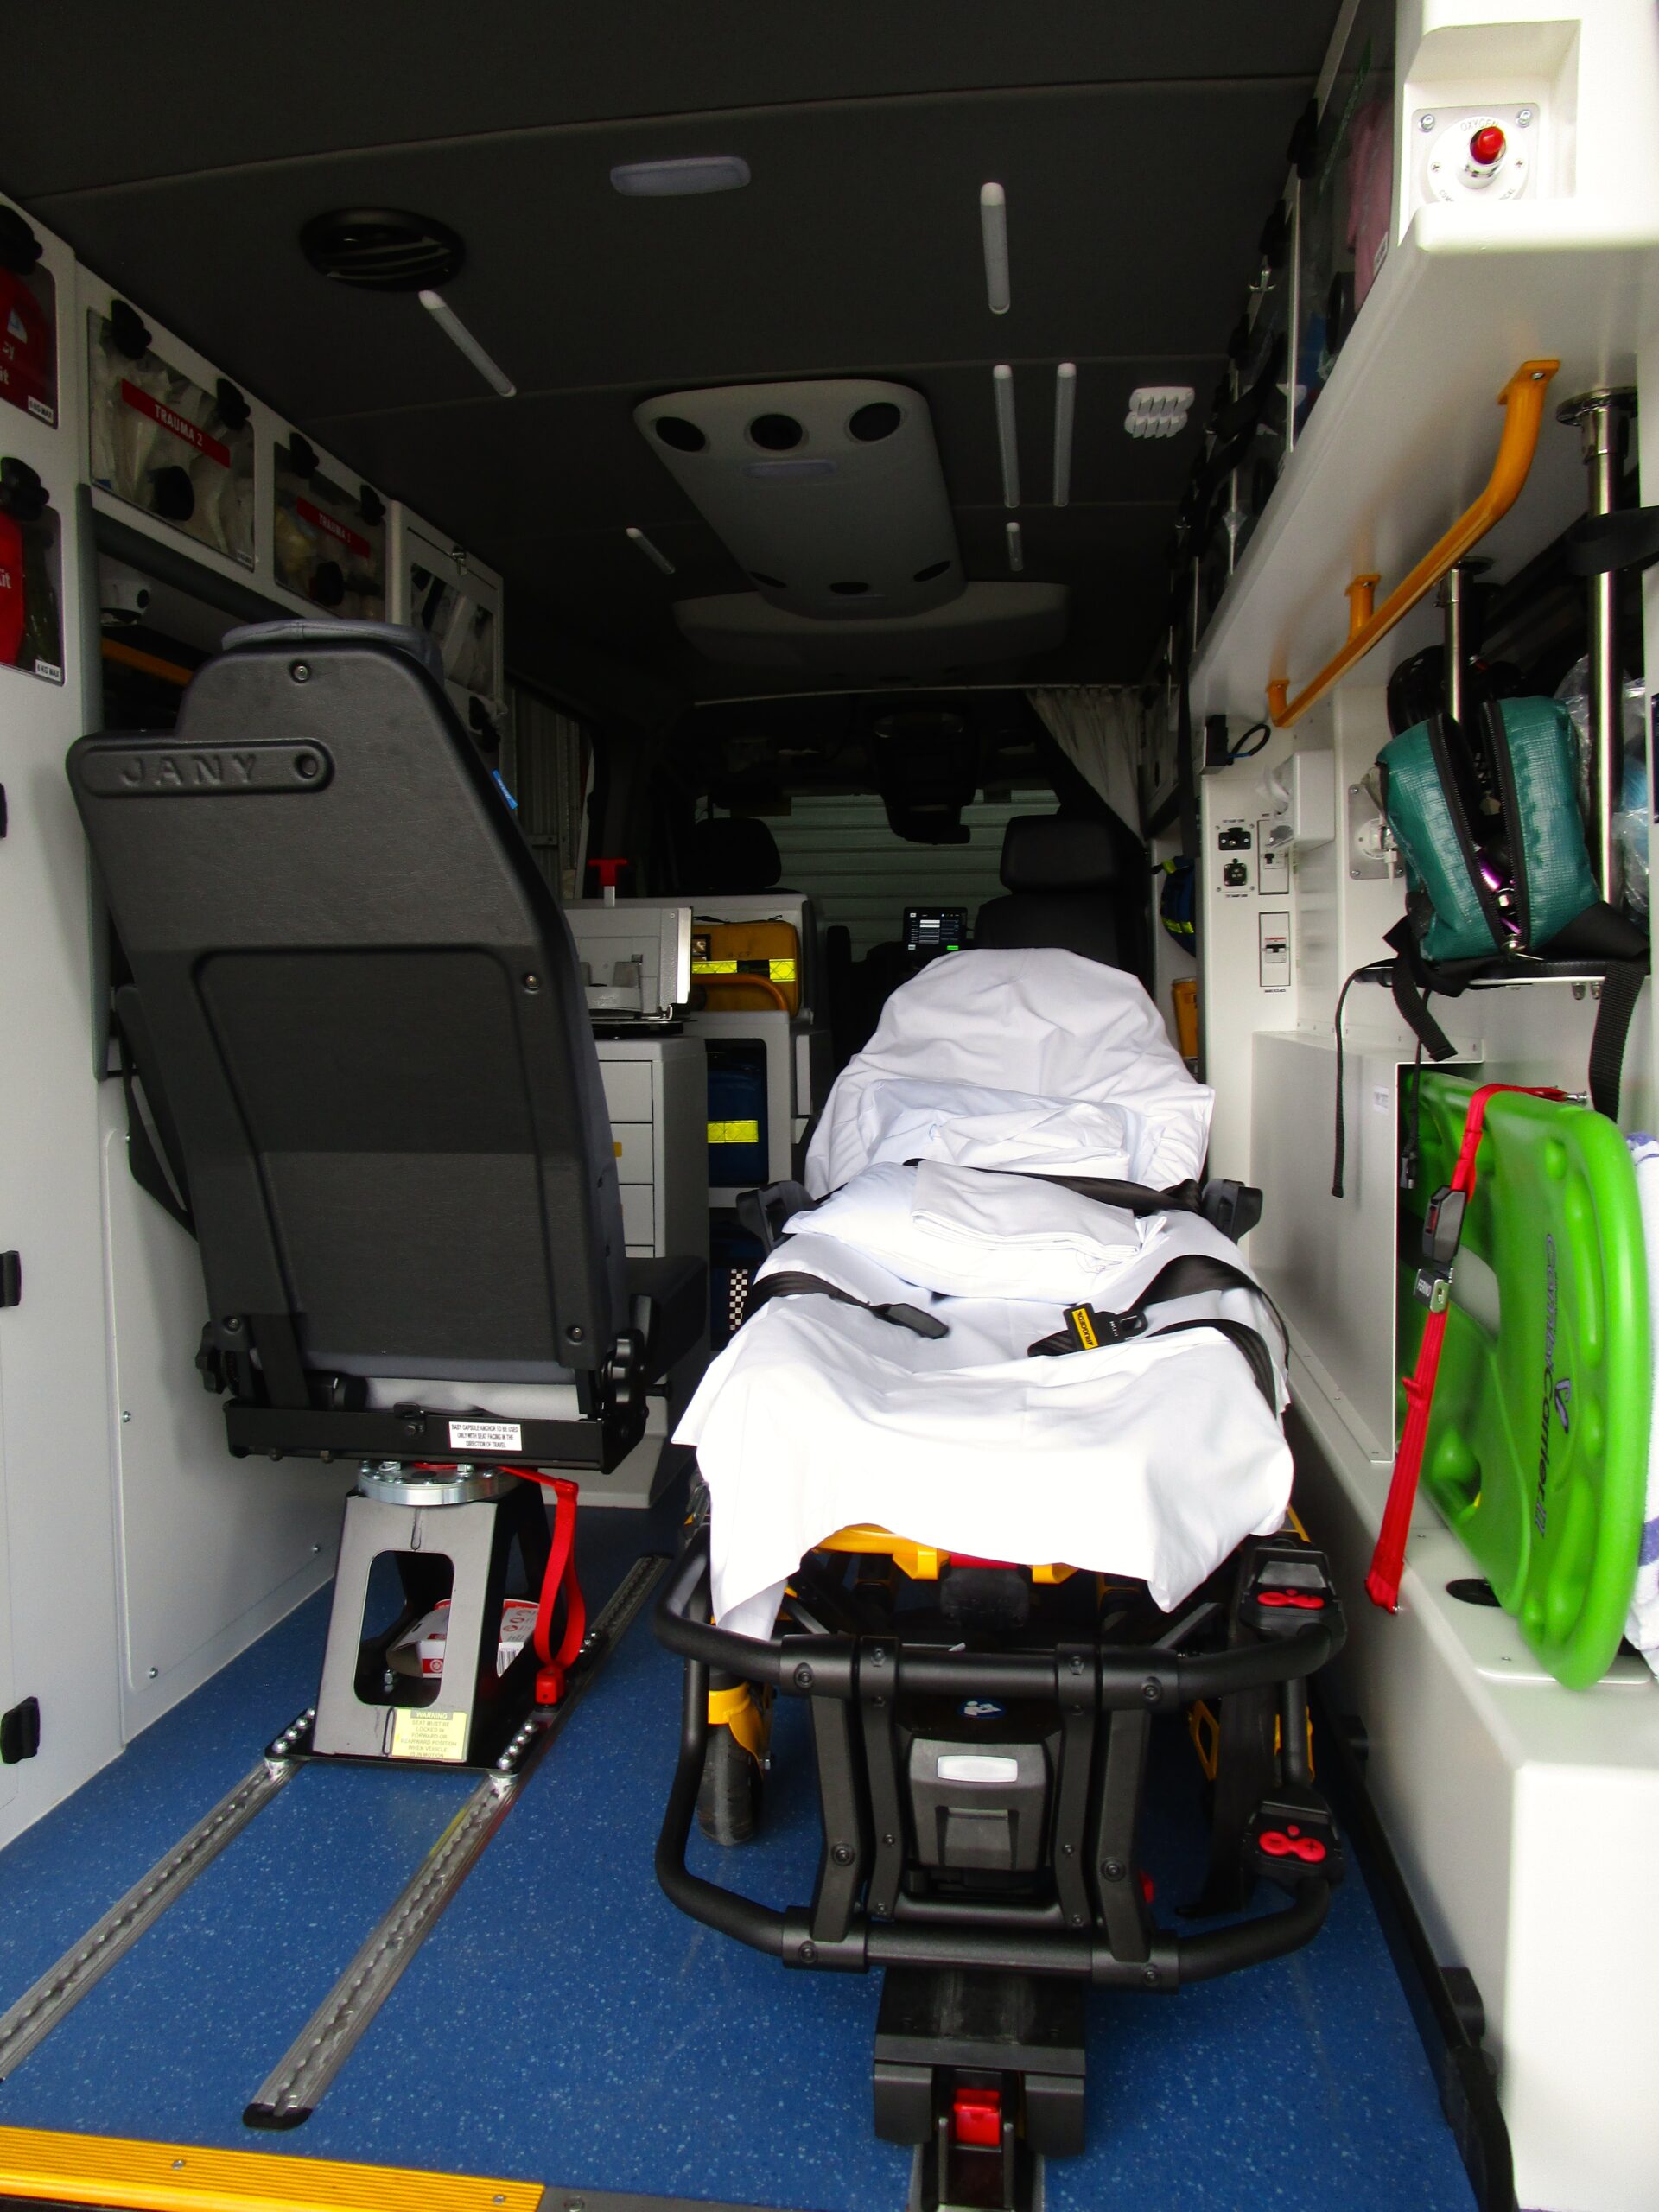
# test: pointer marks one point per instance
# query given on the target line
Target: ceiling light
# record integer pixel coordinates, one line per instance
(1066, 408)
(1002, 389)
(993, 233)
(675, 180)
(1158, 411)
(1016, 547)
(653, 553)
(462, 339)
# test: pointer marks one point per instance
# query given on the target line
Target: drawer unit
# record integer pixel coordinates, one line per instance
(638, 1217)
(627, 1087)
(635, 1151)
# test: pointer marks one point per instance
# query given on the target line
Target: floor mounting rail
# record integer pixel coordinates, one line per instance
(290, 2092)
(87, 1961)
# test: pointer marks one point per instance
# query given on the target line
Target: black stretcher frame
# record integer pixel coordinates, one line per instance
(852, 1682)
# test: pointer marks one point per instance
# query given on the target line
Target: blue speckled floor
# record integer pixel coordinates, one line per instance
(565, 2023)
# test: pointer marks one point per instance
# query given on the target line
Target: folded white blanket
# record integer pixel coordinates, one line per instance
(895, 1119)
(1643, 1626)
(1154, 1457)
(976, 1234)
(1017, 1058)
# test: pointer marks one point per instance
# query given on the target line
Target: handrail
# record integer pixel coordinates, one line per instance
(1523, 402)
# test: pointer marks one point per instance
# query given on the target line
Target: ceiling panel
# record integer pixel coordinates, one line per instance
(857, 246)
(129, 95)
(1139, 149)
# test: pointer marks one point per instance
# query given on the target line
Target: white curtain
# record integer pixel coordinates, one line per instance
(549, 770)
(1097, 727)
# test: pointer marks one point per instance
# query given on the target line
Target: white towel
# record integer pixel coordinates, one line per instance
(1643, 1626)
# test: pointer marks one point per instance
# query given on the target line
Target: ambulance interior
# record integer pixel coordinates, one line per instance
(824, 851)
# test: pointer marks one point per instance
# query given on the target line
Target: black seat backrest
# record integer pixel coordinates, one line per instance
(734, 854)
(1073, 883)
(365, 1009)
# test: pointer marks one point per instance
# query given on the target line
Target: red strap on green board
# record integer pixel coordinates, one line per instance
(1389, 1559)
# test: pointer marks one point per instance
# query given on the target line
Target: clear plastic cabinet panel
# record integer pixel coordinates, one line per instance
(1347, 198)
(31, 575)
(162, 441)
(29, 331)
(328, 540)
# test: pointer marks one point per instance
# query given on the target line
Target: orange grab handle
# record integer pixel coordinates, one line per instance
(1523, 402)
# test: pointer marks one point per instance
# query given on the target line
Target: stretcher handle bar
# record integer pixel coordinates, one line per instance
(1085, 1957)
(825, 1666)
(1177, 1959)
(1523, 402)
(758, 1925)
(683, 1624)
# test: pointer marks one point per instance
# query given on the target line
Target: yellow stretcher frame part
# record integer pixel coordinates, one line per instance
(47, 2164)
(921, 1562)
(749, 1722)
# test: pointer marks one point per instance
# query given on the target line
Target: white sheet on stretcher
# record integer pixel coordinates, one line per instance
(1017, 1060)
(1153, 1459)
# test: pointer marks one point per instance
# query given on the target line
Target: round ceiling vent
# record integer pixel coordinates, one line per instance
(383, 249)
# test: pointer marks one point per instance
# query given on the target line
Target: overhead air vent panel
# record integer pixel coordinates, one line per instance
(383, 249)
(828, 495)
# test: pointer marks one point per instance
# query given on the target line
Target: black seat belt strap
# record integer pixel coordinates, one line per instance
(1188, 1275)
(1137, 1198)
(796, 1283)
(1245, 1339)
(143, 1157)
(1620, 989)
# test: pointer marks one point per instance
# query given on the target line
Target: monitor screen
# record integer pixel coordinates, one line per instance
(935, 929)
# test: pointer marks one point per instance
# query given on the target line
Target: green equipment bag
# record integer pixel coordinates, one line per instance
(1492, 842)
(1537, 1446)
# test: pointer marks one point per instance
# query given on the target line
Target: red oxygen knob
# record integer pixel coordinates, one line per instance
(1487, 145)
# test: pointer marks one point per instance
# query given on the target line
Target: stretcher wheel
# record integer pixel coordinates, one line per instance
(728, 1801)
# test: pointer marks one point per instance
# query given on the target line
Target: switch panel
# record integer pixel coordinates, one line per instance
(1469, 153)
(1273, 950)
(1272, 862)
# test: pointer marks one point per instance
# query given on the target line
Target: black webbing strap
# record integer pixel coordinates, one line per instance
(1374, 971)
(1411, 995)
(1137, 1198)
(1620, 989)
(1188, 1275)
(1596, 544)
(797, 1283)
(166, 1184)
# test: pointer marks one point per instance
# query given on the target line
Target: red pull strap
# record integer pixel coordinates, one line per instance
(561, 1574)
(1389, 1559)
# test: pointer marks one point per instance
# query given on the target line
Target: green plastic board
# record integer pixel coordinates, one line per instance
(1538, 1445)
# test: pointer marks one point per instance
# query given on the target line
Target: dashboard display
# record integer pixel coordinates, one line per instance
(935, 929)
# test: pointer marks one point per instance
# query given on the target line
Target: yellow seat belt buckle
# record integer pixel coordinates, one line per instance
(1080, 1320)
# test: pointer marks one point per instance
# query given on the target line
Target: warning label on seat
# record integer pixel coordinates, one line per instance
(427, 1731)
(485, 1436)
